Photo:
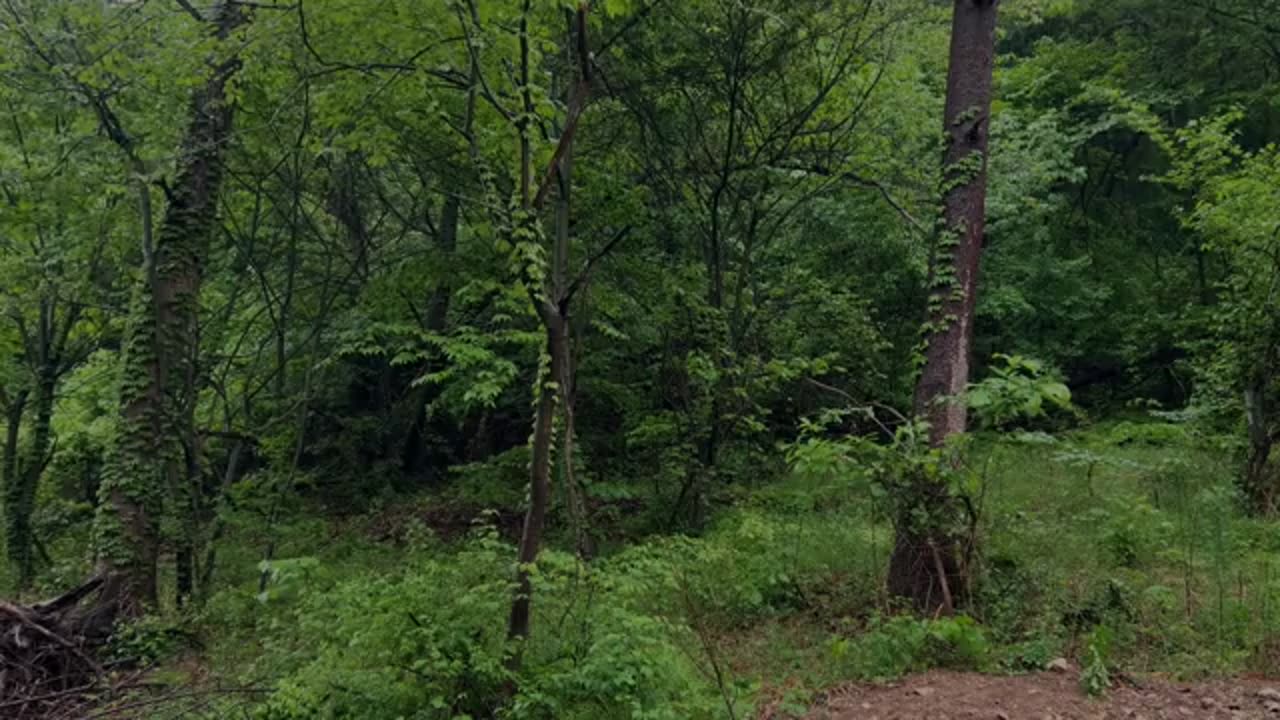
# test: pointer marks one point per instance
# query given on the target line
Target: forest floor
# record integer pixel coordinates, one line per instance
(1045, 696)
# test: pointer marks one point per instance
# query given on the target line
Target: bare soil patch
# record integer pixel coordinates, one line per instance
(1047, 696)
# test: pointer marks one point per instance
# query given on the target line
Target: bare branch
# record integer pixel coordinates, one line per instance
(585, 273)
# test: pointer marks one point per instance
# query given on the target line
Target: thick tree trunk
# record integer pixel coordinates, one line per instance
(954, 275)
(926, 566)
(157, 387)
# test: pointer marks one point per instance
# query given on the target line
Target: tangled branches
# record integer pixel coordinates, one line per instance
(50, 668)
(47, 663)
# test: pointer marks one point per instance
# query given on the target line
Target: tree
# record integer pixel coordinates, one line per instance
(925, 565)
(551, 289)
(1235, 209)
(157, 454)
(746, 117)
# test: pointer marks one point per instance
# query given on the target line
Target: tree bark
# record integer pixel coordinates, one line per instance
(426, 432)
(927, 564)
(20, 496)
(1259, 481)
(552, 304)
(954, 271)
(15, 410)
(157, 386)
(540, 475)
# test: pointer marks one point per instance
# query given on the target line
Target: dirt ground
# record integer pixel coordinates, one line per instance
(1047, 696)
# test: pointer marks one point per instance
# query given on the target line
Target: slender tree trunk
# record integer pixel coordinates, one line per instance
(552, 304)
(540, 476)
(159, 355)
(20, 503)
(344, 203)
(926, 566)
(1259, 481)
(426, 431)
(219, 523)
(15, 410)
(423, 438)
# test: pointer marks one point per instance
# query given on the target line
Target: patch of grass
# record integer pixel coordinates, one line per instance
(1124, 549)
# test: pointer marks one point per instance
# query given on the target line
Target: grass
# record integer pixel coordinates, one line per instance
(1126, 547)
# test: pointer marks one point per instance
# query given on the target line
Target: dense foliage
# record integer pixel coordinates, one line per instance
(304, 305)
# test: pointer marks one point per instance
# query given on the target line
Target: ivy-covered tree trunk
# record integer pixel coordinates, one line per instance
(551, 302)
(925, 566)
(540, 472)
(954, 271)
(159, 354)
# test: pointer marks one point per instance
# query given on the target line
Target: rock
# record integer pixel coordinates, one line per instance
(1272, 707)
(1059, 665)
(1269, 694)
(925, 691)
(1207, 702)
(1002, 715)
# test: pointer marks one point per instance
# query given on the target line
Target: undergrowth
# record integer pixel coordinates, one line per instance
(1121, 548)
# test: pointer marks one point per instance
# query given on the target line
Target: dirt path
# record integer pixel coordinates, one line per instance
(1046, 696)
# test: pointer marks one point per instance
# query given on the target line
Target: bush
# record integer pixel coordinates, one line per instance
(428, 644)
(900, 645)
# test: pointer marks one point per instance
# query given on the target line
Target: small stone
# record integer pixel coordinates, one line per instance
(1059, 665)
(1002, 715)
(925, 691)
(1269, 694)
(1272, 707)
(1207, 702)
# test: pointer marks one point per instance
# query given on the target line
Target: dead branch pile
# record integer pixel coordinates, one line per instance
(48, 667)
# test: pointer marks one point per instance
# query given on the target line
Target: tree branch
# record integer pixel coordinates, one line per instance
(585, 273)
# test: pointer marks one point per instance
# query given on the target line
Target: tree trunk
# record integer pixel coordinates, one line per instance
(20, 496)
(159, 352)
(219, 523)
(1259, 480)
(954, 274)
(552, 304)
(12, 470)
(426, 432)
(926, 566)
(540, 473)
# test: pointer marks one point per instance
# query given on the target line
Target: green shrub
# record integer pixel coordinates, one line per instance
(899, 645)
(428, 644)
(149, 639)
